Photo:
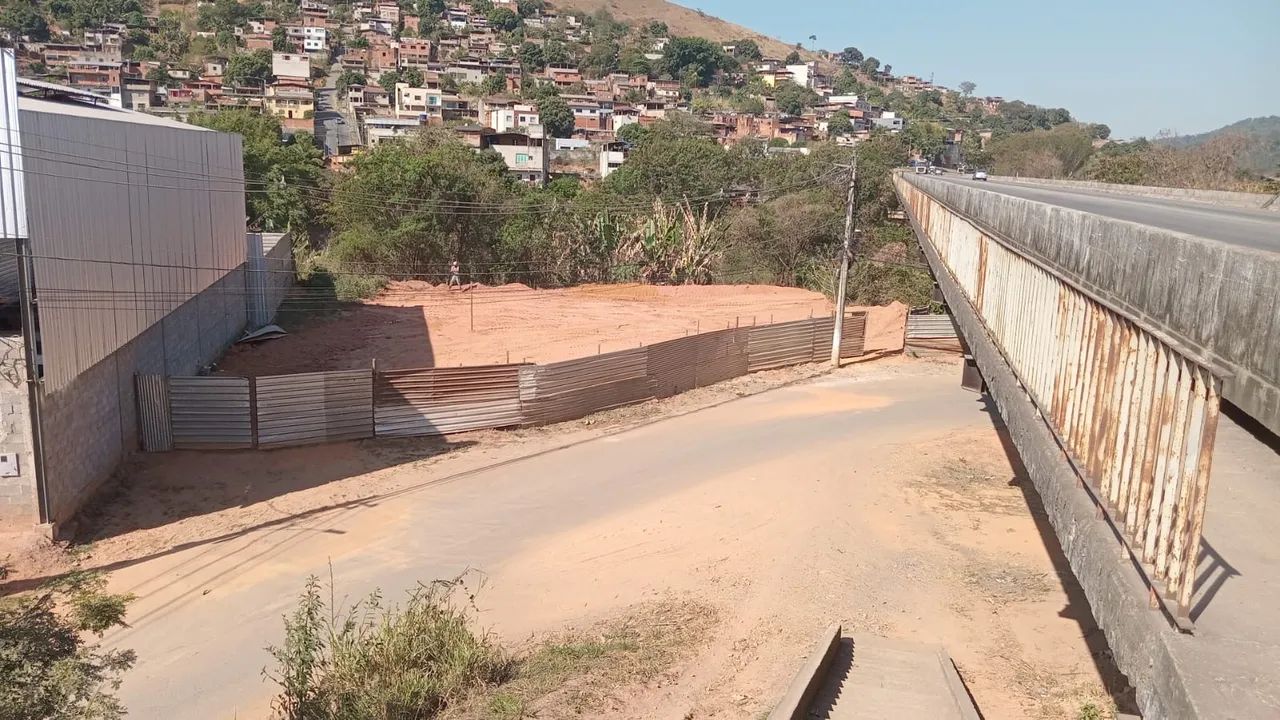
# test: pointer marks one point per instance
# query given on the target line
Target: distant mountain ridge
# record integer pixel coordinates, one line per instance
(1262, 133)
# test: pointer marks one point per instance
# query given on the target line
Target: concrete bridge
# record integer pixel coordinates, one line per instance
(1110, 326)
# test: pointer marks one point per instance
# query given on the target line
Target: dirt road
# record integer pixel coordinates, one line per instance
(879, 497)
(413, 324)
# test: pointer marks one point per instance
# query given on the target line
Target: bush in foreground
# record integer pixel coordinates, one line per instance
(372, 662)
(47, 670)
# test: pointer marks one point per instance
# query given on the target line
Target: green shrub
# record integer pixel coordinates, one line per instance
(47, 669)
(371, 662)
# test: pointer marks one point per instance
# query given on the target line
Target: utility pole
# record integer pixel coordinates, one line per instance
(850, 211)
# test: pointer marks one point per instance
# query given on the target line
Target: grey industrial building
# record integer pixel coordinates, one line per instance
(123, 252)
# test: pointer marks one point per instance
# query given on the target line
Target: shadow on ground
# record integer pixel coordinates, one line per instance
(1077, 607)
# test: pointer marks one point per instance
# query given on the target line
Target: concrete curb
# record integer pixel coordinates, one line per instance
(794, 705)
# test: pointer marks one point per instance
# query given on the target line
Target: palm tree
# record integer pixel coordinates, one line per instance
(814, 38)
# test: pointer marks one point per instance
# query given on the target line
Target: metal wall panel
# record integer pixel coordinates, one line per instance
(269, 274)
(314, 407)
(210, 413)
(13, 206)
(780, 344)
(153, 413)
(575, 388)
(672, 366)
(853, 342)
(720, 355)
(129, 217)
(930, 327)
(436, 401)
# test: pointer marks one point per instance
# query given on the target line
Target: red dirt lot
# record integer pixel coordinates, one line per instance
(415, 324)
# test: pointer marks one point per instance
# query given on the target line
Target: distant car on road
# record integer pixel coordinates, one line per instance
(979, 174)
(936, 170)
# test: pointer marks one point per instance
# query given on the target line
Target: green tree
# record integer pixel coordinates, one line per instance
(694, 58)
(503, 19)
(429, 180)
(413, 77)
(49, 670)
(556, 117)
(967, 88)
(289, 172)
(225, 15)
(494, 84)
(676, 159)
(359, 42)
(555, 52)
(81, 14)
(252, 68)
(349, 78)
(602, 59)
(23, 18)
(870, 65)
(851, 56)
(926, 138)
(839, 123)
(171, 39)
(632, 60)
(793, 58)
(747, 49)
(794, 99)
(1099, 131)
(431, 8)
(279, 39)
(388, 79)
(530, 8)
(656, 29)
(531, 57)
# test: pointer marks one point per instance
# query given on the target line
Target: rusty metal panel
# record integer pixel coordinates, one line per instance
(437, 401)
(721, 355)
(314, 407)
(672, 366)
(780, 344)
(210, 413)
(854, 340)
(1136, 416)
(153, 413)
(930, 327)
(574, 388)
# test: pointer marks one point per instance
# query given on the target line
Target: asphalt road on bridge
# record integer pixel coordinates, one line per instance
(1254, 229)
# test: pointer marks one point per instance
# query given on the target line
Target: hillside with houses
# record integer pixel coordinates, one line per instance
(488, 70)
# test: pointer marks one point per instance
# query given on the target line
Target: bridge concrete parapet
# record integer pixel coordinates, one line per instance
(1218, 304)
(1221, 198)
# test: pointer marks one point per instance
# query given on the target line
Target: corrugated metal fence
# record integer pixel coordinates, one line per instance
(284, 410)
(930, 327)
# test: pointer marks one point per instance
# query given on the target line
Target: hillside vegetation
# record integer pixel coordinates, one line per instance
(1261, 140)
(683, 21)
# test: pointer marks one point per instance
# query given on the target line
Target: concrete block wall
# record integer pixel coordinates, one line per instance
(1218, 303)
(91, 426)
(17, 494)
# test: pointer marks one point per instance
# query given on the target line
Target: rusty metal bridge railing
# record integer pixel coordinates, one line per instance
(1136, 416)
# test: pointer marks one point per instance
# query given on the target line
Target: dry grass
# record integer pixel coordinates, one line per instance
(684, 21)
(586, 673)
(964, 487)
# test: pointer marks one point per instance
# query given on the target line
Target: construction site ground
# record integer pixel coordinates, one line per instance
(414, 324)
(881, 496)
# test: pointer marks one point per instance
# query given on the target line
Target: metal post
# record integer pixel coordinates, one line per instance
(850, 210)
(472, 295)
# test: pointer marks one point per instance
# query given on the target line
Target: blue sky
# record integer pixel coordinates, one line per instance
(1137, 65)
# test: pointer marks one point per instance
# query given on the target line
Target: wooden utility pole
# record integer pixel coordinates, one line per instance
(850, 212)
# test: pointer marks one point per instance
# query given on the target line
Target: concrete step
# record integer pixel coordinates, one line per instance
(875, 678)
